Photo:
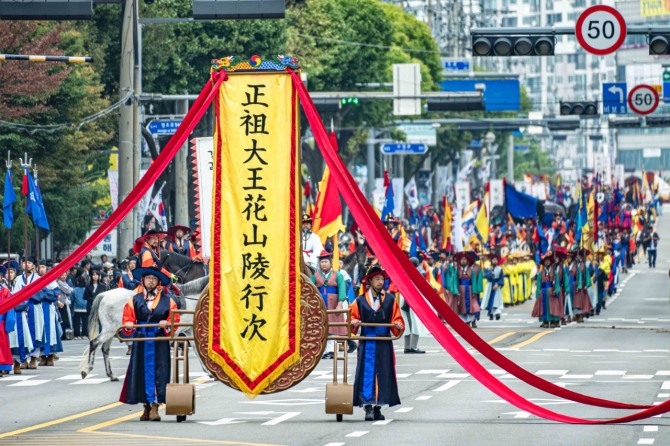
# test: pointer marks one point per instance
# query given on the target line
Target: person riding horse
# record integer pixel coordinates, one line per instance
(178, 243)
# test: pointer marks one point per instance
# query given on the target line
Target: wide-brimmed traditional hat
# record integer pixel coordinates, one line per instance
(306, 218)
(494, 255)
(12, 264)
(139, 273)
(548, 256)
(139, 241)
(391, 219)
(470, 256)
(173, 230)
(325, 255)
(374, 270)
(561, 254)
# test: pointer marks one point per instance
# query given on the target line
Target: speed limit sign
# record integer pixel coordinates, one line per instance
(600, 29)
(643, 99)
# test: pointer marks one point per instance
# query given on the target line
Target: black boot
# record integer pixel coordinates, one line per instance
(368, 413)
(378, 414)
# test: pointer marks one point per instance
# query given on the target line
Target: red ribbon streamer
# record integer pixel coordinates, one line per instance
(190, 121)
(414, 288)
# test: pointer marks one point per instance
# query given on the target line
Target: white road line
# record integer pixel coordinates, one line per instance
(650, 429)
(663, 373)
(31, 382)
(566, 376)
(403, 375)
(610, 372)
(286, 416)
(665, 385)
(663, 395)
(19, 377)
(382, 422)
(447, 386)
(645, 441)
(638, 377)
(334, 444)
(453, 375)
(404, 410)
(551, 372)
(76, 377)
(357, 433)
(89, 381)
(423, 397)
(496, 371)
(432, 372)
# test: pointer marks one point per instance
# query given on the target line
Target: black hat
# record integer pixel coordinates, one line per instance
(30, 259)
(139, 273)
(306, 218)
(391, 219)
(374, 270)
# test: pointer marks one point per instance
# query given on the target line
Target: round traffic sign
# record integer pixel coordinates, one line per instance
(600, 29)
(643, 99)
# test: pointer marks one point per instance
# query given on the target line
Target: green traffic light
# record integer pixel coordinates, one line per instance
(346, 101)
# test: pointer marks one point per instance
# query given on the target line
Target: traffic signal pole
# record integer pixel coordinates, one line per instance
(510, 158)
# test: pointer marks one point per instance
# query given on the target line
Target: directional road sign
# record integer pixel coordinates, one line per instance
(404, 149)
(163, 127)
(666, 90)
(615, 95)
(643, 99)
(600, 29)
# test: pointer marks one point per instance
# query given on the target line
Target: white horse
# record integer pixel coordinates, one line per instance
(107, 314)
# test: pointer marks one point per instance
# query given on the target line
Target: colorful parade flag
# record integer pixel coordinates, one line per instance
(389, 202)
(412, 193)
(8, 201)
(254, 303)
(157, 209)
(34, 203)
(446, 224)
(328, 208)
(482, 221)
(520, 205)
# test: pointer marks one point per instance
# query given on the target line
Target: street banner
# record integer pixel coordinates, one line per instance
(462, 194)
(157, 209)
(203, 162)
(254, 303)
(412, 193)
(496, 194)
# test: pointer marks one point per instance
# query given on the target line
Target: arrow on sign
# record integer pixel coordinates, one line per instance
(614, 90)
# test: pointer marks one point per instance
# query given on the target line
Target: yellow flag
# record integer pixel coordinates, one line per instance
(254, 305)
(482, 221)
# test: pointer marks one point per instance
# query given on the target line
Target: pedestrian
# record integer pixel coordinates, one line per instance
(333, 289)
(95, 287)
(311, 244)
(581, 281)
(413, 324)
(495, 281)
(470, 284)
(149, 368)
(80, 316)
(375, 381)
(652, 239)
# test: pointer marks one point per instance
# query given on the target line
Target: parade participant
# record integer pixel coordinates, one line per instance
(375, 380)
(148, 248)
(450, 282)
(469, 287)
(625, 250)
(178, 243)
(581, 281)
(149, 368)
(652, 239)
(413, 324)
(12, 268)
(393, 226)
(547, 306)
(7, 325)
(602, 271)
(32, 312)
(507, 289)
(333, 289)
(311, 244)
(52, 325)
(492, 300)
(563, 284)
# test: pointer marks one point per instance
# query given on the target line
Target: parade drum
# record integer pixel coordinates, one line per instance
(313, 330)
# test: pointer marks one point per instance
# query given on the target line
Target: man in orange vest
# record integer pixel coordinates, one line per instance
(147, 246)
(178, 243)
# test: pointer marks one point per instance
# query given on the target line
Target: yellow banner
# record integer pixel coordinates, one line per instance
(254, 326)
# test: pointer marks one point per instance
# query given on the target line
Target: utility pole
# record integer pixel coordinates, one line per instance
(126, 161)
(181, 174)
(510, 158)
(371, 164)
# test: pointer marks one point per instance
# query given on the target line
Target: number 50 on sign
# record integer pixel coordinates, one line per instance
(600, 29)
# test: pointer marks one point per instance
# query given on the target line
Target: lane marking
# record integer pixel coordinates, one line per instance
(650, 429)
(357, 434)
(531, 340)
(610, 372)
(404, 410)
(29, 382)
(501, 337)
(186, 440)
(551, 372)
(645, 441)
(382, 422)
(59, 420)
(423, 397)
(334, 444)
(447, 386)
(663, 395)
(665, 385)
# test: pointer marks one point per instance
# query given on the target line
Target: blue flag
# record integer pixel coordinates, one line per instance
(520, 205)
(35, 206)
(8, 200)
(389, 203)
(544, 243)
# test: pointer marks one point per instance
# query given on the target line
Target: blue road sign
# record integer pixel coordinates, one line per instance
(456, 65)
(404, 149)
(615, 98)
(666, 91)
(164, 127)
(499, 94)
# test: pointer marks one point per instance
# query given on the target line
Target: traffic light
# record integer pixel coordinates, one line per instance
(46, 10)
(517, 44)
(659, 43)
(581, 108)
(327, 105)
(350, 101)
(437, 104)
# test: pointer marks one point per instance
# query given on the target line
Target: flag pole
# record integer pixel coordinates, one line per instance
(8, 164)
(37, 229)
(25, 164)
